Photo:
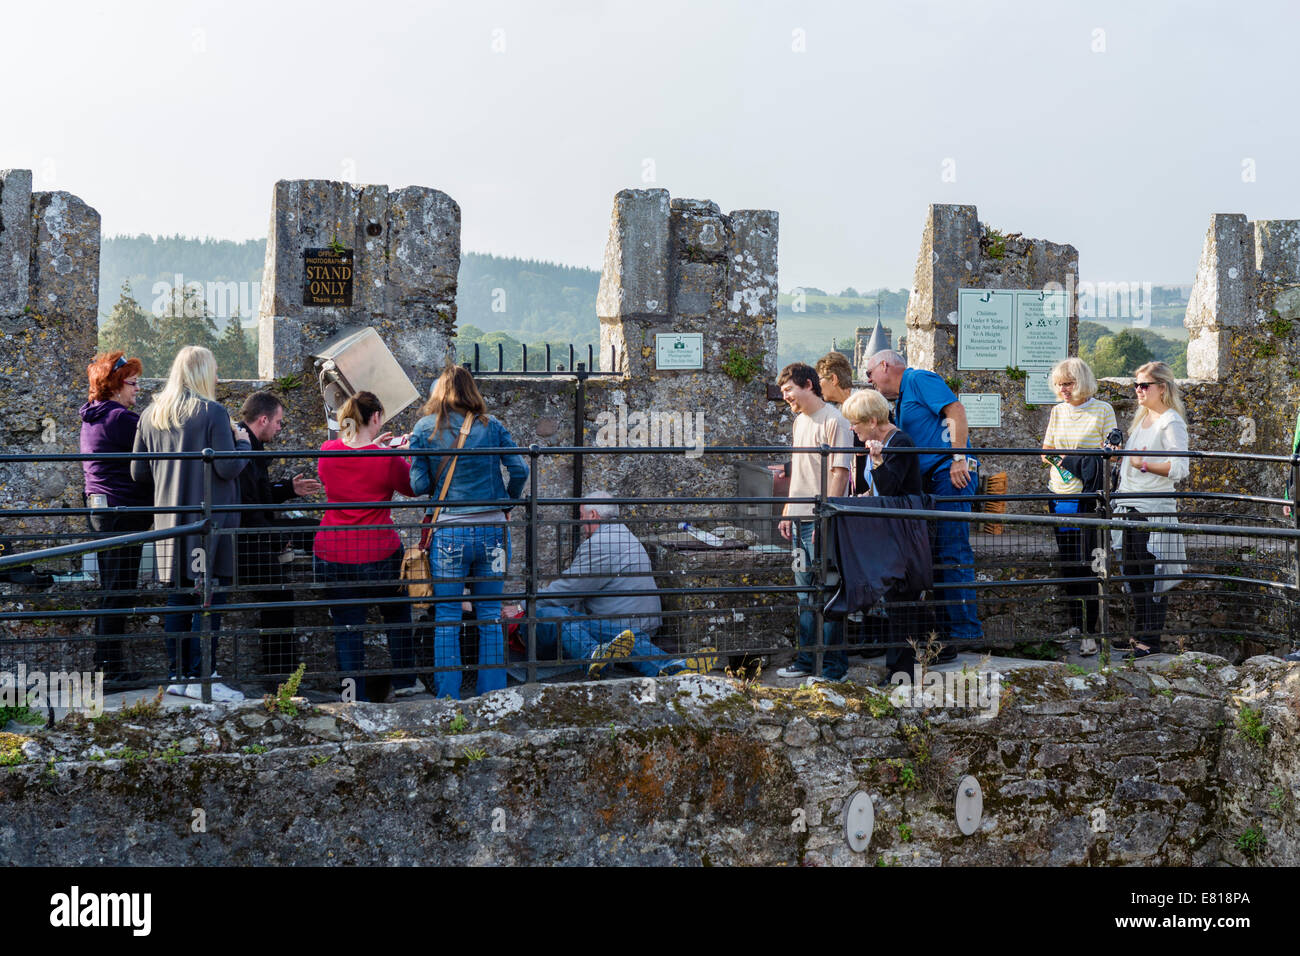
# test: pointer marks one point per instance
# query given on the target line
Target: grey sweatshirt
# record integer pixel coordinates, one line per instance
(611, 560)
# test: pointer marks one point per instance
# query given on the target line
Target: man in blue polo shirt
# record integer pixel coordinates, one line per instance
(930, 414)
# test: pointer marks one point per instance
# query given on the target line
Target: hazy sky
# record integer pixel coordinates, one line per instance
(1118, 127)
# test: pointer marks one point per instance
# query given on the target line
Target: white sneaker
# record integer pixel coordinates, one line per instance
(793, 670)
(223, 694)
(177, 690)
(416, 688)
(220, 692)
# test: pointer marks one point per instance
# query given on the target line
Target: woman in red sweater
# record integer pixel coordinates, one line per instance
(357, 551)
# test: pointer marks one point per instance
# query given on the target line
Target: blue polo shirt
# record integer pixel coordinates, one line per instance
(922, 397)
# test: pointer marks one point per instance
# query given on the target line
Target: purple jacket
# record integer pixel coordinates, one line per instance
(110, 427)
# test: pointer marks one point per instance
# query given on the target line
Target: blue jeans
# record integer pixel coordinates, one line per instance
(580, 638)
(185, 654)
(462, 551)
(834, 663)
(950, 544)
(371, 579)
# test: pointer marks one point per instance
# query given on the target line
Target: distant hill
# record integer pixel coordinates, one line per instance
(530, 299)
(513, 301)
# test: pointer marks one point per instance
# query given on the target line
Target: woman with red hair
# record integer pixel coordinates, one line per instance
(108, 426)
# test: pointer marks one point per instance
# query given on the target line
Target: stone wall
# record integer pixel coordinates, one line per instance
(49, 293)
(671, 265)
(406, 255)
(1182, 764)
(956, 253)
(1243, 353)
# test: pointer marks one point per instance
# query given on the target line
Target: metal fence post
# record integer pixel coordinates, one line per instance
(1103, 584)
(209, 558)
(1295, 542)
(579, 429)
(530, 549)
(821, 524)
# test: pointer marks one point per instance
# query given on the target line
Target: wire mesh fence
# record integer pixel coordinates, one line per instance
(523, 590)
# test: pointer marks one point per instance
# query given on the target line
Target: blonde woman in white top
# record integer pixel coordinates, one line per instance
(1078, 421)
(1160, 425)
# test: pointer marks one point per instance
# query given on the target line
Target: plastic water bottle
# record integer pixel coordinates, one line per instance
(1056, 461)
(712, 540)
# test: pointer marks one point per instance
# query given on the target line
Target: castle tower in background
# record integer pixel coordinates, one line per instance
(867, 342)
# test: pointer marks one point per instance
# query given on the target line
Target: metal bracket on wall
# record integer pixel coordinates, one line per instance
(970, 805)
(859, 821)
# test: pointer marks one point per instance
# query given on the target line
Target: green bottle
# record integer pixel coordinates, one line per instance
(1056, 463)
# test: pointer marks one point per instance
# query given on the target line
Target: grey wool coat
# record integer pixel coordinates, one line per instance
(180, 482)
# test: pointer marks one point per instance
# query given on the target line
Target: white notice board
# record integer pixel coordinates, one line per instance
(679, 350)
(983, 409)
(1011, 328)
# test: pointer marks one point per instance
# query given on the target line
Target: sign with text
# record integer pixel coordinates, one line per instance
(983, 409)
(985, 328)
(1038, 388)
(680, 350)
(327, 278)
(1011, 328)
(1042, 329)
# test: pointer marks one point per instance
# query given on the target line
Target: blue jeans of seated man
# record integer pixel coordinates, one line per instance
(185, 654)
(370, 579)
(580, 638)
(834, 663)
(462, 551)
(950, 544)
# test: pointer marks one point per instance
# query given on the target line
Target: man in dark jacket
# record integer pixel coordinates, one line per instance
(264, 554)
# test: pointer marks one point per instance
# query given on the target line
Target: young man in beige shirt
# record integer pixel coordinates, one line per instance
(816, 423)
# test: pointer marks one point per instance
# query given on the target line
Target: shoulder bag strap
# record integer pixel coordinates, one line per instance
(465, 427)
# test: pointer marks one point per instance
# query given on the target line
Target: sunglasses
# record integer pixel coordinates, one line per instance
(1143, 386)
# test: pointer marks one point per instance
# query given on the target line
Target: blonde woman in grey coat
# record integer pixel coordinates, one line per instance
(187, 417)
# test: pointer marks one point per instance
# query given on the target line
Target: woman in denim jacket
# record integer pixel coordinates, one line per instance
(469, 540)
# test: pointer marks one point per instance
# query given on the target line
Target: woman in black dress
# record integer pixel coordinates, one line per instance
(888, 473)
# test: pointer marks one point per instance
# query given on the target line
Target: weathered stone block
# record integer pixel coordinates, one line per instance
(699, 232)
(1141, 836)
(15, 238)
(698, 288)
(1223, 294)
(1209, 352)
(752, 273)
(1287, 304)
(1277, 250)
(634, 280)
(65, 265)
(406, 255)
(946, 261)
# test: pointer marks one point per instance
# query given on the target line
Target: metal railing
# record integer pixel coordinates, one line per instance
(737, 603)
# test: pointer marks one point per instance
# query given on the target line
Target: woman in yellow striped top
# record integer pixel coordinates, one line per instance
(1078, 421)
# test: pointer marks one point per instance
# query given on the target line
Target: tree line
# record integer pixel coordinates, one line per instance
(184, 320)
(1117, 354)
